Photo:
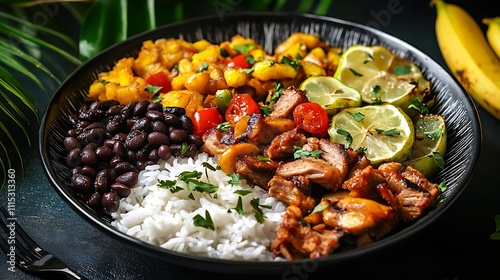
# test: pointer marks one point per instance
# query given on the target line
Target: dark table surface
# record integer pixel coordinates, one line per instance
(456, 246)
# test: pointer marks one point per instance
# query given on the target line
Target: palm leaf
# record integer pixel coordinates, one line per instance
(12, 31)
(10, 48)
(11, 84)
(15, 119)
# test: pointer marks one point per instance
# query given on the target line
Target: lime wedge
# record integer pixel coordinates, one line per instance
(430, 144)
(358, 64)
(383, 77)
(384, 132)
(330, 93)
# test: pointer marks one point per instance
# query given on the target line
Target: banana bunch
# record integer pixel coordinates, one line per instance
(469, 55)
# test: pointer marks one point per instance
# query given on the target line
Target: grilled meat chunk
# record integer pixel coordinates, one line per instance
(316, 170)
(212, 143)
(282, 147)
(289, 99)
(410, 187)
(255, 171)
(289, 193)
(297, 241)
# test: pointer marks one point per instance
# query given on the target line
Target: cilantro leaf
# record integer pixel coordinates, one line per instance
(347, 136)
(206, 222)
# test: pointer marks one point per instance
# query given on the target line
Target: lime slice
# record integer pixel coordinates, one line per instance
(430, 144)
(382, 77)
(386, 88)
(384, 132)
(358, 64)
(330, 93)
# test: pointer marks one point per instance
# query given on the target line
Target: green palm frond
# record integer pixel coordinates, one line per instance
(20, 60)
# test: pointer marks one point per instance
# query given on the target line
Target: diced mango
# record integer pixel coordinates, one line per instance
(198, 82)
(189, 100)
(269, 70)
(235, 77)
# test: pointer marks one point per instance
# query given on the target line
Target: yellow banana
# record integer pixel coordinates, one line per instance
(493, 33)
(466, 52)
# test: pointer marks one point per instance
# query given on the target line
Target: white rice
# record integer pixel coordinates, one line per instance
(160, 217)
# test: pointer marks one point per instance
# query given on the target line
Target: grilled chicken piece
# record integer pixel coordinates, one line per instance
(410, 187)
(212, 144)
(287, 192)
(282, 147)
(336, 155)
(255, 171)
(295, 241)
(364, 183)
(316, 170)
(261, 130)
(289, 99)
(359, 216)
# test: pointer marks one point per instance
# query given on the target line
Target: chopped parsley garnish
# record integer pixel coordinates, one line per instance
(250, 60)
(243, 192)
(388, 132)
(496, 234)
(301, 153)
(357, 116)
(247, 71)
(294, 63)
(244, 48)
(355, 73)
(320, 207)
(184, 148)
(259, 215)
(266, 110)
(262, 158)
(239, 206)
(361, 150)
(347, 137)
(278, 90)
(203, 66)
(401, 70)
(224, 126)
(418, 105)
(376, 94)
(442, 187)
(223, 52)
(235, 178)
(206, 222)
(439, 159)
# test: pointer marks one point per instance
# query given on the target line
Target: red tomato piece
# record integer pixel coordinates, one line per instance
(241, 105)
(205, 119)
(238, 61)
(159, 79)
(312, 118)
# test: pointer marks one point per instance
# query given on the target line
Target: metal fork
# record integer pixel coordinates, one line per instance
(22, 251)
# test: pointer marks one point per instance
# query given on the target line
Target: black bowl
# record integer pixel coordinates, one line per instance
(268, 29)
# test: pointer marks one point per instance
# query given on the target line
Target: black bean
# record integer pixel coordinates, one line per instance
(102, 181)
(159, 126)
(114, 110)
(119, 149)
(88, 156)
(156, 139)
(94, 125)
(131, 156)
(135, 139)
(103, 153)
(91, 115)
(155, 115)
(82, 124)
(110, 201)
(186, 123)
(140, 108)
(120, 136)
(128, 178)
(178, 111)
(76, 170)
(187, 151)
(109, 143)
(141, 165)
(164, 152)
(70, 143)
(121, 190)
(153, 155)
(73, 158)
(73, 119)
(73, 132)
(94, 135)
(115, 161)
(89, 171)
(103, 105)
(196, 140)
(155, 107)
(123, 167)
(91, 146)
(128, 109)
(115, 123)
(171, 120)
(178, 136)
(94, 201)
(82, 183)
(143, 124)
